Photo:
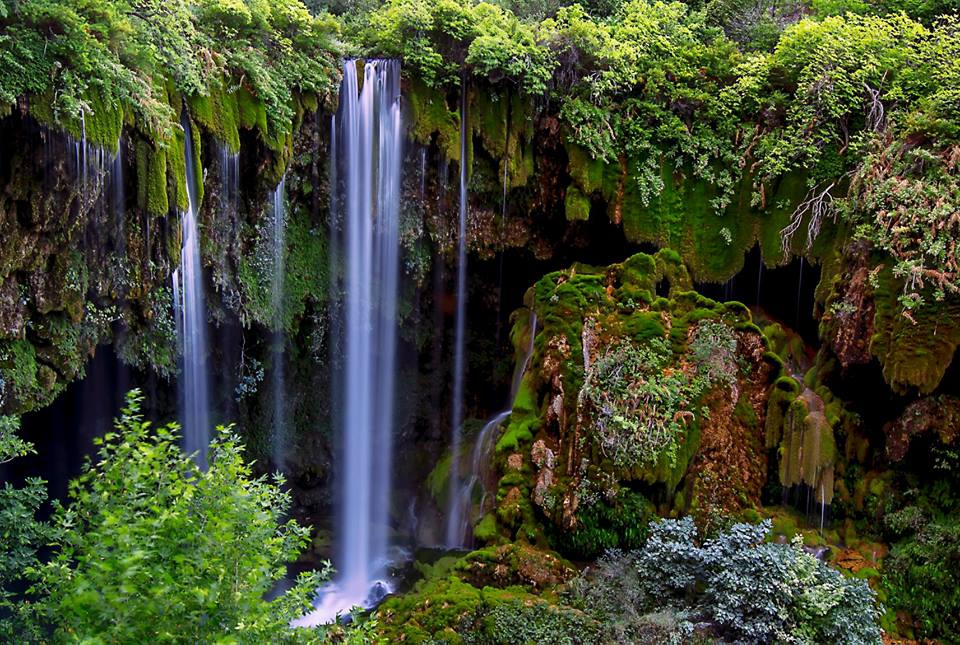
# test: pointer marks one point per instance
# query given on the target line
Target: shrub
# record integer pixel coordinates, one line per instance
(638, 402)
(921, 577)
(750, 590)
(152, 549)
(21, 535)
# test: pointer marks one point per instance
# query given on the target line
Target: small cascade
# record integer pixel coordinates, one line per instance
(454, 512)
(278, 244)
(481, 456)
(229, 180)
(191, 318)
(367, 149)
(117, 205)
(482, 449)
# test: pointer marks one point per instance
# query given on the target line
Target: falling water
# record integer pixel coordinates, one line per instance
(423, 171)
(759, 277)
(454, 511)
(191, 320)
(368, 148)
(484, 444)
(278, 238)
(229, 180)
(116, 186)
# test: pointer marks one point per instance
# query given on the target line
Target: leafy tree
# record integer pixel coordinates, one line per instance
(20, 536)
(150, 549)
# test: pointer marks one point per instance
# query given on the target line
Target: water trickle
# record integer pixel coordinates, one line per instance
(368, 151)
(278, 244)
(229, 180)
(423, 172)
(481, 457)
(759, 277)
(191, 318)
(454, 512)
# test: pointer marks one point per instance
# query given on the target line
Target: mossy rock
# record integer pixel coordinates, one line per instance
(916, 347)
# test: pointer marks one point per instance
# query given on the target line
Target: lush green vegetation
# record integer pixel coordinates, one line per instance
(85, 60)
(149, 548)
(827, 128)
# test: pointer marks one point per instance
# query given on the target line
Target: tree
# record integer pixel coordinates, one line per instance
(150, 549)
(20, 534)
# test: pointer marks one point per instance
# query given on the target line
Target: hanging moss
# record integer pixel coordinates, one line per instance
(808, 450)
(430, 114)
(576, 205)
(218, 112)
(151, 167)
(915, 347)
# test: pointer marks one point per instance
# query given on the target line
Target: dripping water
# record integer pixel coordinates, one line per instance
(423, 172)
(229, 180)
(367, 146)
(278, 244)
(454, 511)
(191, 320)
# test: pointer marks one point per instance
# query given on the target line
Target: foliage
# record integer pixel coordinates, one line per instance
(713, 349)
(920, 575)
(752, 590)
(82, 57)
(438, 38)
(641, 400)
(639, 403)
(21, 535)
(152, 549)
(904, 200)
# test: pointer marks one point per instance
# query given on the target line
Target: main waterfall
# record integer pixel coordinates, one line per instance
(191, 319)
(454, 538)
(365, 207)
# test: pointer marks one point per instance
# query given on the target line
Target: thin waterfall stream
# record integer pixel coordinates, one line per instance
(367, 149)
(454, 512)
(278, 243)
(191, 318)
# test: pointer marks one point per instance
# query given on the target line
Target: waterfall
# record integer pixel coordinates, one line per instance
(191, 318)
(481, 458)
(278, 242)
(368, 136)
(229, 180)
(456, 415)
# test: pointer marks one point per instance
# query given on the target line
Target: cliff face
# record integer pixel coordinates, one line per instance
(91, 236)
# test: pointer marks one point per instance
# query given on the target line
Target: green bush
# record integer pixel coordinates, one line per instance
(921, 576)
(20, 536)
(151, 549)
(750, 590)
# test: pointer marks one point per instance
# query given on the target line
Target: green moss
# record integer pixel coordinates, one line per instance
(587, 172)
(152, 179)
(486, 529)
(914, 349)
(429, 114)
(577, 205)
(218, 112)
(251, 113)
(438, 481)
